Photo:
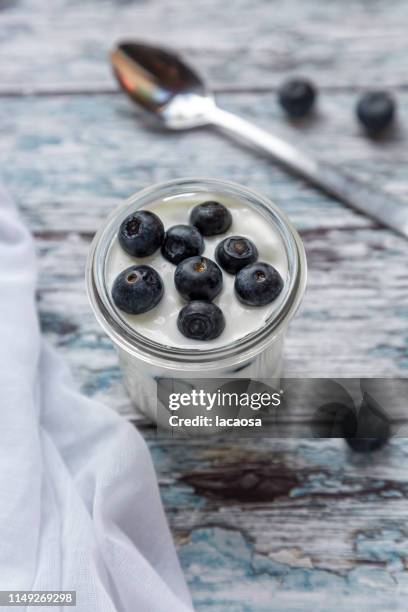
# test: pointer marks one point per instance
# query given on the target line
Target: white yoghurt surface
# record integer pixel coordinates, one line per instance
(160, 323)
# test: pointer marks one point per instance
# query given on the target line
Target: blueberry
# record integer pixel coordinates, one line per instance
(137, 289)
(211, 218)
(258, 284)
(235, 252)
(366, 445)
(181, 242)
(368, 429)
(201, 321)
(141, 233)
(297, 96)
(376, 110)
(198, 278)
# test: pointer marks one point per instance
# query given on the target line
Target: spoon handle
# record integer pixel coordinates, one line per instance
(361, 196)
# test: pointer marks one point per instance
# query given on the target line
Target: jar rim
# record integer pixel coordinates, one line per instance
(135, 343)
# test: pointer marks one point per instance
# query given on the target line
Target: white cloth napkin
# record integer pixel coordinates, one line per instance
(79, 503)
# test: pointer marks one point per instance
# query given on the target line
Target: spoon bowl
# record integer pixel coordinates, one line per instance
(161, 83)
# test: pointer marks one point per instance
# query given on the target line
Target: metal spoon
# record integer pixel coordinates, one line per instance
(169, 89)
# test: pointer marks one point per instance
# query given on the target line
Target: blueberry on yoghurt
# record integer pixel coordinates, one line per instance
(137, 289)
(258, 284)
(198, 278)
(141, 233)
(211, 218)
(201, 321)
(181, 242)
(235, 252)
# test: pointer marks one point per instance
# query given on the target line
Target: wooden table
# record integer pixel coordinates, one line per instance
(329, 531)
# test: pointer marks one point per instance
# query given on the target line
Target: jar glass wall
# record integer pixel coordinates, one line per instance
(255, 355)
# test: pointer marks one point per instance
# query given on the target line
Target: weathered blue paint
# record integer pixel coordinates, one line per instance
(269, 585)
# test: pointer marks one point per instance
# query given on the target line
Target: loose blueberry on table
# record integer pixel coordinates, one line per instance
(366, 430)
(297, 97)
(137, 289)
(376, 110)
(211, 218)
(141, 233)
(198, 278)
(258, 284)
(201, 321)
(181, 242)
(235, 252)
(366, 445)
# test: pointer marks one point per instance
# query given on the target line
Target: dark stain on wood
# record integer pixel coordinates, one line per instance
(254, 482)
(258, 482)
(252, 477)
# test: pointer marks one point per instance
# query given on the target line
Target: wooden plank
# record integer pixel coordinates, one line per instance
(355, 277)
(323, 521)
(335, 522)
(67, 173)
(64, 45)
(332, 532)
(321, 483)
(69, 161)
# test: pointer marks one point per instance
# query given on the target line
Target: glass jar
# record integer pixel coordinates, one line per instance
(257, 355)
